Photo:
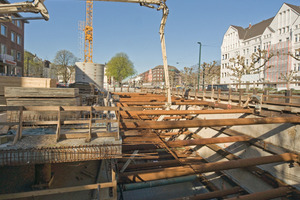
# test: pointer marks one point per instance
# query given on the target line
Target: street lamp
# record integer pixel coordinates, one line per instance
(199, 66)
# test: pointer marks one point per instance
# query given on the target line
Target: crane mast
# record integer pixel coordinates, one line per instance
(88, 32)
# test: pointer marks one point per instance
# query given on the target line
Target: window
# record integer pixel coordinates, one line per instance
(19, 40)
(19, 24)
(3, 30)
(254, 48)
(3, 49)
(19, 56)
(283, 30)
(13, 36)
(287, 39)
(296, 38)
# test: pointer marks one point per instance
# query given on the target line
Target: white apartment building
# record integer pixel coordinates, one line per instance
(277, 34)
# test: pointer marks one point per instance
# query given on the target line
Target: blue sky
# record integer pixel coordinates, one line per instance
(132, 29)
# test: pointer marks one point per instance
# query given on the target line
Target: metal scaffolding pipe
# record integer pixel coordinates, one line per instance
(205, 141)
(148, 175)
(209, 122)
(269, 194)
(156, 183)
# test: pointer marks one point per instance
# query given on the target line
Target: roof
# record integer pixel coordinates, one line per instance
(259, 28)
(296, 8)
(254, 30)
(240, 30)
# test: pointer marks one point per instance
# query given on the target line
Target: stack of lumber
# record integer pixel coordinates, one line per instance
(84, 88)
(8, 81)
(17, 96)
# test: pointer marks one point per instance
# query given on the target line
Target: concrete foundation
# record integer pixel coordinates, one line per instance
(89, 73)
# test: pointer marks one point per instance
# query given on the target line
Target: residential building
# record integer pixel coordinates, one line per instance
(156, 76)
(279, 35)
(11, 46)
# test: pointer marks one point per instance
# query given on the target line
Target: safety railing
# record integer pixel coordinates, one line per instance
(89, 117)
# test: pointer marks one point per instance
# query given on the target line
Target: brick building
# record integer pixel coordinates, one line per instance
(11, 46)
(156, 76)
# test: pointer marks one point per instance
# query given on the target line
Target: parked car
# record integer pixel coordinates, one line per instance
(218, 86)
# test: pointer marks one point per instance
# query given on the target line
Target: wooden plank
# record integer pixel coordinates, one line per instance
(209, 122)
(9, 81)
(37, 123)
(43, 101)
(8, 123)
(89, 137)
(14, 92)
(58, 125)
(9, 108)
(2, 100)
(185, 112)
(41, 108)
(57, 190)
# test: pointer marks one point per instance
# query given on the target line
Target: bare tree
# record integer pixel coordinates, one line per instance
(64, 64)
(189, 75)
(288, 77)
(212, 72)
(242, 66)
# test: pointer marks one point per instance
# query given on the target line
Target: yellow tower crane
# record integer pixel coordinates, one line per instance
(88, 32)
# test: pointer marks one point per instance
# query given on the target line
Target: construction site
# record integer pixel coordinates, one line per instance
(85, 142)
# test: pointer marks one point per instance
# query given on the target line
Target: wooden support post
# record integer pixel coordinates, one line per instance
(121, 88)
(254, 91)
(240, 96)
(229, 96)
(219, 95)
(88, 139)
(128, 89)
(118, 116)
(58, 124)
(212, 94)
(203, 94)
(266, 94)
(288, 95)
(19, 132)
(114, 189)
(196, 96)
(114, 88)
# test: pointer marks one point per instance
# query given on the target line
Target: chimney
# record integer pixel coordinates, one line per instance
(250, 25)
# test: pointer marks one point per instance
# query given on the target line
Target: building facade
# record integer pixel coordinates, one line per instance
(279, 35)
(156, 78)
(11, 47)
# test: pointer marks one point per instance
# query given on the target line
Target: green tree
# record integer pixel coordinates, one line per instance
(33, 66)
(64, 64)
(120, 67)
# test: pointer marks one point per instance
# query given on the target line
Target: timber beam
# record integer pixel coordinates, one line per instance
(185, 112)
(148, 175)
(208, 123)
(269, 194)
(204, 141)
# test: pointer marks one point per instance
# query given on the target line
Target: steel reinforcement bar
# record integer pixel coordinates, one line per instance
(59, 154)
